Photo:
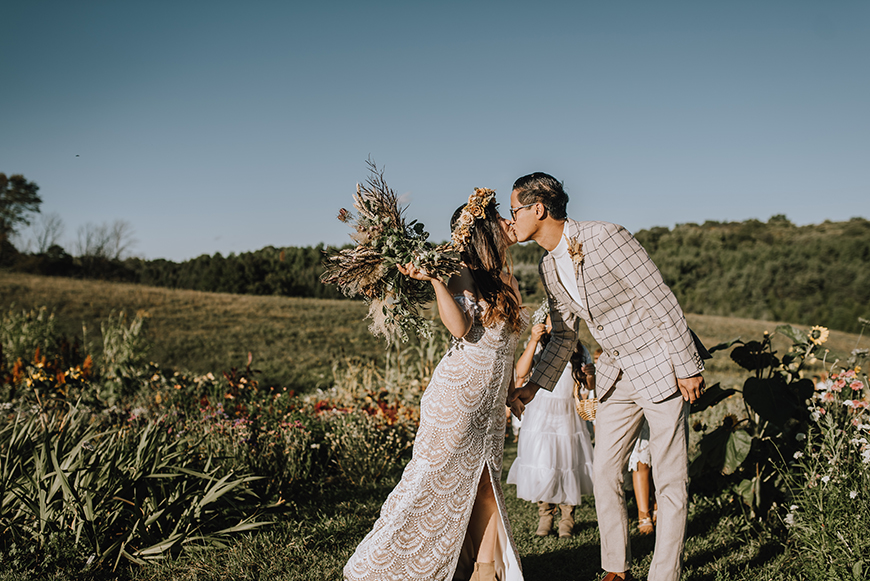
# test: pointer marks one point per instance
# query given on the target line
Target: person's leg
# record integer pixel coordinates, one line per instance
(668, 423)
(482, 527)
(640, 478)
(619, 418)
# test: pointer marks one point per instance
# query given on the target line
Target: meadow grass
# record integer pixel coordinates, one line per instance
(295, 342)
(315, 536)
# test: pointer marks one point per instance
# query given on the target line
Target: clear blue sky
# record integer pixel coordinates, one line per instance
(230, 126)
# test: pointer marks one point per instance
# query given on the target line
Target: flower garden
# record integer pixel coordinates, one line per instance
(110, 465)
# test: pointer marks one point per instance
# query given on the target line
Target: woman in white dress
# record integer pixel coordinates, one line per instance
(449, 501)
(554, 452)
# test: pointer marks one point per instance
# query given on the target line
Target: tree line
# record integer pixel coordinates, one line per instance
(774, 270)
(812, 275)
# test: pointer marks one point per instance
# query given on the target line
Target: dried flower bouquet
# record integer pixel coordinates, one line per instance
(383, 240)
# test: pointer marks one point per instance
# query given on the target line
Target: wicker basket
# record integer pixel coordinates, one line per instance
(585, 407)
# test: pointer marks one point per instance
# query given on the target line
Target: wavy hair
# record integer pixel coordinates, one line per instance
(485, 255)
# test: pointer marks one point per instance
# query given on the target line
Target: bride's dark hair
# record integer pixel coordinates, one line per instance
(486, 254)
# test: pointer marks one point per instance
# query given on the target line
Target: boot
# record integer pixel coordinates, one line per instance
(546, 511)
(483, 572)
(566, 523)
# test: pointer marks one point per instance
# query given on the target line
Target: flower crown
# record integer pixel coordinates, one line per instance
(475, 209)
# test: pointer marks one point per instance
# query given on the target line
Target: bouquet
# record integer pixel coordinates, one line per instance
(539, 317)
(383, 240)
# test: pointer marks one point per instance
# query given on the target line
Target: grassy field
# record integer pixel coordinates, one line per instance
(313, 540)
(315, 536)
(295, 341)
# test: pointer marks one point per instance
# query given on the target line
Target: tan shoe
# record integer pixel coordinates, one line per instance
(484, 572)
(566, 523)
(546, 511)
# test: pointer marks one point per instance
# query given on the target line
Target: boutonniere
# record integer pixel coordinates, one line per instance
(575, 250)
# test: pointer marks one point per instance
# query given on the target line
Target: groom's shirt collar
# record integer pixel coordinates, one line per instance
(565, 267)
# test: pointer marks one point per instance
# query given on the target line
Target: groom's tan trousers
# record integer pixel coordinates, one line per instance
(618, 421)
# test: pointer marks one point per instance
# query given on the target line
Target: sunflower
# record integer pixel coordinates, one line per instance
(818, 335)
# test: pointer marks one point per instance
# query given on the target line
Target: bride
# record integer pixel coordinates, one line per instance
(446, 518)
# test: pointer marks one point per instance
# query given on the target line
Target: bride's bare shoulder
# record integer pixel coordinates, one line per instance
(462, 282)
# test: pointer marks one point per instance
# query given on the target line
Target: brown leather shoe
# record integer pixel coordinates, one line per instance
(618, 577)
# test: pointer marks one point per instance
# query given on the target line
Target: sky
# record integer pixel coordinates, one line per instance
(231, 126)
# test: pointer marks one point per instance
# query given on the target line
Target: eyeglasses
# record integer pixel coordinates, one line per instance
(515, 210)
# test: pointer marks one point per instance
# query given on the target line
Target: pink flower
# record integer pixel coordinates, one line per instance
(839, 385)
(827, 397)
(856, 386)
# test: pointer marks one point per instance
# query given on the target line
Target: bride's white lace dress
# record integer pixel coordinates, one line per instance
(421, 528)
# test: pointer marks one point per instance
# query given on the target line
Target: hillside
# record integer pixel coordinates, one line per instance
(812, 275)
(773, 271)
(295, 341)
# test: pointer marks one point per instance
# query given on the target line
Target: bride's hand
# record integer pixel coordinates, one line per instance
(414, 272)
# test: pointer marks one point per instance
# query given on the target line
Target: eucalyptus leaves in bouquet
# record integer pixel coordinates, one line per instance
(383, 240)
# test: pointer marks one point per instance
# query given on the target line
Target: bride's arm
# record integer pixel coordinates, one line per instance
(455, 318)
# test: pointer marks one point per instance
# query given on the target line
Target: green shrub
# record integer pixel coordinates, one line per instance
(137, 492)
(365, 449)
(745, 455)
(124, 356)
(22, 333)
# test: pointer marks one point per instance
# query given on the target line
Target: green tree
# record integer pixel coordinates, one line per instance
(18, 198)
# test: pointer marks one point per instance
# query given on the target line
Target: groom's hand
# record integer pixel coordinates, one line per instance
(517, 407)
(524, 394)
(691, 388)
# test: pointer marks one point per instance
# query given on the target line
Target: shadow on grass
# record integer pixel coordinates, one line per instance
(722, 545)
(570, 563)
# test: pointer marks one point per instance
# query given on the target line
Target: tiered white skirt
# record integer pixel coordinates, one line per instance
(554, 451)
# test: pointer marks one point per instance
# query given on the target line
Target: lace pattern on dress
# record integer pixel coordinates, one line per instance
(423, 522)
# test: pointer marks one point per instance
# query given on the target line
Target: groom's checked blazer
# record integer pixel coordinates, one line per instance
(629, 310)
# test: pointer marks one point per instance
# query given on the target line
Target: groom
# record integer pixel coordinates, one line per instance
(650, 367)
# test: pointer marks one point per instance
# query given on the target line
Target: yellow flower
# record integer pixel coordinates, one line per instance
(818, 335)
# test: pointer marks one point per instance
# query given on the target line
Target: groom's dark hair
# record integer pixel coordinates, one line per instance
(543, 188)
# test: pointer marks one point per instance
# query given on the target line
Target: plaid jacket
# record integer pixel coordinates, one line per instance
(629, 310)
